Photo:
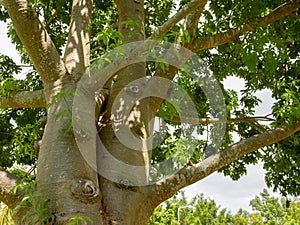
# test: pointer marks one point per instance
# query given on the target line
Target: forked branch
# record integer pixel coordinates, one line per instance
(218, 39)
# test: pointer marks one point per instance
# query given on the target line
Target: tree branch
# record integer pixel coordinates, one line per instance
(295, 15)
(7, 183)
(77, 54)
(192, 19)
(218, 39)
(35, 39)
(206, 121)
(50, 19)
(252, 121)
(194, 4)
(193, 173)
(24, 99)
(232, 34)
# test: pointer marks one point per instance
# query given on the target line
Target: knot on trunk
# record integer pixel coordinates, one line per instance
(85, 190)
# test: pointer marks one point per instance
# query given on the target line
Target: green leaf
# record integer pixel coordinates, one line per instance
(250, 61)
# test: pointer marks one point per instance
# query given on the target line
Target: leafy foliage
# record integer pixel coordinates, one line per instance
(33, 203)
(19, 128)
(282, 163)
(77, 220)
(201, 211)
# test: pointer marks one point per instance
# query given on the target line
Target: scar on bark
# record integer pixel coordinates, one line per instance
(85, 190)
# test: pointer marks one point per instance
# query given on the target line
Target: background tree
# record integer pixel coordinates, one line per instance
(266, 210)
(257, 41)
(201, 211)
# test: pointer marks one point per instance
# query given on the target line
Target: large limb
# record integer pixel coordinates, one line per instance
(24, 99)
(36, 40)
(77, 55)
(193, 173)
(232, 34)
(7, 183)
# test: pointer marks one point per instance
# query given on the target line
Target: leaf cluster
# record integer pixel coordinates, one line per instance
(33, 203)
(19, 128)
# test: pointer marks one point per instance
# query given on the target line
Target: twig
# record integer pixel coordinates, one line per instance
(205, 121)
(50, 19)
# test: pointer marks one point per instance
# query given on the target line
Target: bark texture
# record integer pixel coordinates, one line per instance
(25, 99)
(77, 54)
(64, 177)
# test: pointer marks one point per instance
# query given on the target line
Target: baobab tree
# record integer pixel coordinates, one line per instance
(75, 46)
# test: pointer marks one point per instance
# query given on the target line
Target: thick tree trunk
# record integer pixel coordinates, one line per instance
(123, 201)
(72, 186)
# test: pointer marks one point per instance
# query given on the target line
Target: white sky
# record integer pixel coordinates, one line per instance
(6, 47)
(232, 195)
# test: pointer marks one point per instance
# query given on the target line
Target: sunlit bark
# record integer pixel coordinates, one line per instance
(24, 99)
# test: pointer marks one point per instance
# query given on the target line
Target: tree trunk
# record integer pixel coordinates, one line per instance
(64, 177)
(72, 185)
(127, 157)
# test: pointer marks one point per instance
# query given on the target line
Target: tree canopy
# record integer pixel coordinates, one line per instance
(256, 41)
